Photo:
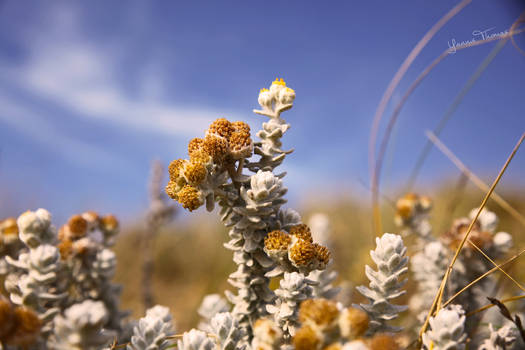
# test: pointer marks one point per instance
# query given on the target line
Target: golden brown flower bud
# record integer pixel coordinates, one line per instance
(7, 317)
(190, 198)
(322, 254)
(216, 146)
(77, 226)
(277, 240)
(302, 231)
(221, 127)
(26, 330)
(306, 339)
(241, 126)
(302, 253)
(109, 223)
(241, 145)
(353, 323)
(195, 145)
(175, 168)
(65, 247)
(9, 227)
(195, 172)
(383, 342)
(321, 312)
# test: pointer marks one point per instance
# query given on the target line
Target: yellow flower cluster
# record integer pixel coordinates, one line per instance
(409, 206)
(72, 236)
(324, 325)
(298, 247)
(224, 142)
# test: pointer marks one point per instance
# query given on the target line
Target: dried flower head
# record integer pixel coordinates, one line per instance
(172, 189)
(8, 227)
(190, 197)
(302, 253)
(277, 240)
(459, 228)
(383, 342)
(77, 226)
(221, 127)
(109, 223)
(195, 172)
(65, 247)
(195, 145)
(7, 317)
(306, 339)
(241, 126)
(322, 254)
(200, 156)
(302, 231)
(241, 145)
(333, 346)
(353, 323)
(406, 205)
(319, 312)
(92, 218)
(216, 146)
(27, 328)
(175, 168)
(266, 334)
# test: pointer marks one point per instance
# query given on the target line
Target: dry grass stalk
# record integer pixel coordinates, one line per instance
(472, 177)
(376, 168)
(387, 96)
(437, 303)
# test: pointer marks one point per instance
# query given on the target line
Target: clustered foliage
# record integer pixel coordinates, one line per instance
(61, 294)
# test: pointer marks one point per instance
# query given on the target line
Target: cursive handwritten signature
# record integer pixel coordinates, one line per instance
(476, 35)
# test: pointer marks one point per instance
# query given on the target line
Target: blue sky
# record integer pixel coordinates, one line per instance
(91, 92)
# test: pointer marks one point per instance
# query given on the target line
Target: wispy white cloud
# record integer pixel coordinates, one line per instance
(68, 69)
(36, 128)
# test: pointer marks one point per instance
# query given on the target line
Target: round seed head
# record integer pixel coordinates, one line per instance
(172, 189)
(406, 206)
(195, 145)
(322, 255)
(175, 168)
(216, 146)
(200, 156)
(302, 231)
(6, 317)
(241, 145)
(190, 198)
(241, 126)
(302, 253)
(221, 127)
(27, 328)
(383, 342)
(92, 219)
(353, 323)
(425, 203)
(306, 339)
(109, 223)
(195, 172)
(65, 247)
(9, 227)
(77, 226)
(277, 240)
(321, 312)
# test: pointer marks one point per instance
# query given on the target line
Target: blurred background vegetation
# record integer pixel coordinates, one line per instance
(191, 262)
